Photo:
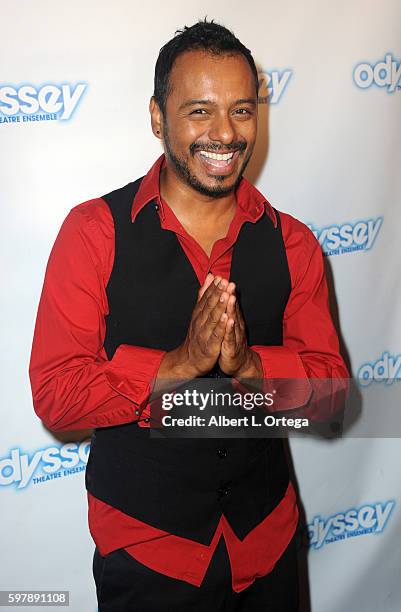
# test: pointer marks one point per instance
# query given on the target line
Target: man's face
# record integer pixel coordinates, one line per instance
(210, 124)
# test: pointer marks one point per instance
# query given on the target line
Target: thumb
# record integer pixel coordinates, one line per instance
(208, 281)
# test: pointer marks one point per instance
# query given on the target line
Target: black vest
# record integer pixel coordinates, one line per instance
(182, 486)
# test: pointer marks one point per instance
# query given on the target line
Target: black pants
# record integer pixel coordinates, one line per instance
(125, 585)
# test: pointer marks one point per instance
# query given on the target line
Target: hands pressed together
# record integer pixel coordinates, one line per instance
(216, 334)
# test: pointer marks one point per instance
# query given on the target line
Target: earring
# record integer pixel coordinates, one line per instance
(157, 131)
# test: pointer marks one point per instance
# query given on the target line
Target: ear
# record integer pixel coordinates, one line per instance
(156, 118)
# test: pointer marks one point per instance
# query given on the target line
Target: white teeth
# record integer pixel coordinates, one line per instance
(219, 156)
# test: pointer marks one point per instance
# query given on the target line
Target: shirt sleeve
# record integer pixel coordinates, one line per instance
(310, 343)
(74, 385)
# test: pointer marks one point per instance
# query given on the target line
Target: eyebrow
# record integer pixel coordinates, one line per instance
(210, 103)
(246, 101)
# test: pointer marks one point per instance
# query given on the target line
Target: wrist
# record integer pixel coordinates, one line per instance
(176, 366)
(252, 366)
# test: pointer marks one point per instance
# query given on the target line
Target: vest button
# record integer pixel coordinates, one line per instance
(137, 412)
(223, 491)
(222, 452)
(156, 207)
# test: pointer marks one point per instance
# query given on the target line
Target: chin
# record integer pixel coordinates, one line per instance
(215, 188)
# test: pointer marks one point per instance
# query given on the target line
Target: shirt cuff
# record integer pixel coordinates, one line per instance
(280, 362)
(132, 371)
(284, 376)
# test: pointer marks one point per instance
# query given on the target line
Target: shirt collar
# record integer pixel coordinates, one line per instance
(249, 199)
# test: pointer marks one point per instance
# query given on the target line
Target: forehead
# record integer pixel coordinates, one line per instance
(201, 74)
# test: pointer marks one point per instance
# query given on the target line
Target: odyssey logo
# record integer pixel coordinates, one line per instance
(385, 73)
(386, 369)
(361, 520)
(272, 85)
(348, 237)
(48, 463)
(50, 102)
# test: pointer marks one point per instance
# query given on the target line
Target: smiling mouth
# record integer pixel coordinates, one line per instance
(218, 163)
(218, 156)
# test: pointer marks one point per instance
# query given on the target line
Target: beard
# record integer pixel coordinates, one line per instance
(181, 167)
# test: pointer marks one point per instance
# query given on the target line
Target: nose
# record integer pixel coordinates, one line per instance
(222, 129)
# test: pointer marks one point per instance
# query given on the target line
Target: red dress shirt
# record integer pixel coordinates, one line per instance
(75, 386)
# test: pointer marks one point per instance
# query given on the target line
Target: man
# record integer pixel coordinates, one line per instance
(188, 272)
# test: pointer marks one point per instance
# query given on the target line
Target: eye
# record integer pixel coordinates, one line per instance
(243, 111)
(198, 111)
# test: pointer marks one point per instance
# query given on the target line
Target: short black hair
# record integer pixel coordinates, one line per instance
(204, 35)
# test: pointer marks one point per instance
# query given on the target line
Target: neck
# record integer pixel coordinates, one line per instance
(187, 203)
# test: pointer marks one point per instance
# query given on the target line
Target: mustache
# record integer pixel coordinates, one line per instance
(213, 147)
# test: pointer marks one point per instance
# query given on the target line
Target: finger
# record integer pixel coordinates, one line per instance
(240, 332)
(217, 334)
(239, 316)
(230, 341)
(231, 311)
(213, 315)
(223, 284)
(209, 298)
(212, 295)
(208, 280)
(213, 327)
